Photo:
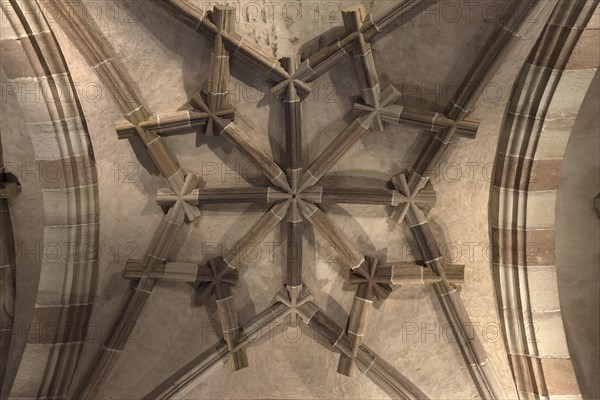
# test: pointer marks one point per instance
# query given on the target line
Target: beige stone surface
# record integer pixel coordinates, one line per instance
(554, 138)
(543, 288)
(573, 88)
(426, 59)
(26, 213)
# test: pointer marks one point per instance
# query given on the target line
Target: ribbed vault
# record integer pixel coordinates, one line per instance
(299, 198)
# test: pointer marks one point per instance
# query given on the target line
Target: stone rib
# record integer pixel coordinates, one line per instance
(170, 123)
(101, 57)
(426, 119)
(483, 373)
(132, 307)
(191, 374)
(217, 87)
(217, 195)
(329, 56)
(358, 195)
(336, 149)
(244, 142)
(292, 105)
(346, 253)
(264, 162)
(364, 65)
(392, 382)
(468, 93)
(195, 18)
(295, 231)
(258, 232)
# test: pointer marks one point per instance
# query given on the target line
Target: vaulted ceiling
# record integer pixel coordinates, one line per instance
(294, 200)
